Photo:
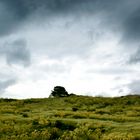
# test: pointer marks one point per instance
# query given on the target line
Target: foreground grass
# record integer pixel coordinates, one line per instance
(70, 118)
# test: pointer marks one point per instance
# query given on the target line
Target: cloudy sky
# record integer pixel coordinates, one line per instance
(91, 47)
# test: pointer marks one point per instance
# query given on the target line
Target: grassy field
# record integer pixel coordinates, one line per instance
(70, 118)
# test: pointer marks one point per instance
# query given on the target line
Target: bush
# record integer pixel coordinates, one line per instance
(74, 109)
(65, 125)
(25, 115)
(80, 133)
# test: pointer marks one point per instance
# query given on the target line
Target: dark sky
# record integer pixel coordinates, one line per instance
(90, 47)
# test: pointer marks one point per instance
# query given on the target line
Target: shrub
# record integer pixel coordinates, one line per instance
(25, 115)
(74, 109)
(65, 125)
(35, 122)
(80, 133)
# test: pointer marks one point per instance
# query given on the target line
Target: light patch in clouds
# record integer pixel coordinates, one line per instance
(75, 78)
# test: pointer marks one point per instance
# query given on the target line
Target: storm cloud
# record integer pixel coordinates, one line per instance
(115, 13)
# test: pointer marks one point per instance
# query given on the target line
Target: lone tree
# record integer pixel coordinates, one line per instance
(59, 92)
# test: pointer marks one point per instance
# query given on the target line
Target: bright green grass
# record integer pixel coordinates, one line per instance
(57, 119)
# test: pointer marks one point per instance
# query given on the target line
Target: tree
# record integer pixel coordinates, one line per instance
(59, 92)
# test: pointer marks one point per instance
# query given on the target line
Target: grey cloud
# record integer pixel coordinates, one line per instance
(115, 13)
(134, 87)
(17, 53)
(114, 16)
(132, 26)
(135, 58)
(25, 7)
(5, 84)
(9, 19)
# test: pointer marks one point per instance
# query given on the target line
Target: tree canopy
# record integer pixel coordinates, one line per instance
(59, 91)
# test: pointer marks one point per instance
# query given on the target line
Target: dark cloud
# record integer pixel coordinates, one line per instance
(26, 7)
(115, 13)
(17, 53)
(135, 58)
(5, 84)
(23, 8)
(10, 19)
(132, 26)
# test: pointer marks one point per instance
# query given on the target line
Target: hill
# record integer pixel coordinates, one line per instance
(70, 118)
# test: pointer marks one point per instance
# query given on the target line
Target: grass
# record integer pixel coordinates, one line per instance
(70, 118)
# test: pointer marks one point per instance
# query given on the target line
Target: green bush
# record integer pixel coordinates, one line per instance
(65, 124)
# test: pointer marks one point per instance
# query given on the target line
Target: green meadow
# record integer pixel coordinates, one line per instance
(71, 118)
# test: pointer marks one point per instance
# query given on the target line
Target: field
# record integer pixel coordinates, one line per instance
(70, 118)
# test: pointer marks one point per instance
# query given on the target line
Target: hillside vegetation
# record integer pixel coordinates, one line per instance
(70, 118)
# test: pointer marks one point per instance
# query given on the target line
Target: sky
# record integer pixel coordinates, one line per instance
(90, 47)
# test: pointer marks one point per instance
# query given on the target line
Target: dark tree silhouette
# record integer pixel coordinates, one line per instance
(59, 92)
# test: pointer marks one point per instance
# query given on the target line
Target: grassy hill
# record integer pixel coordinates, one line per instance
(70, 118)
